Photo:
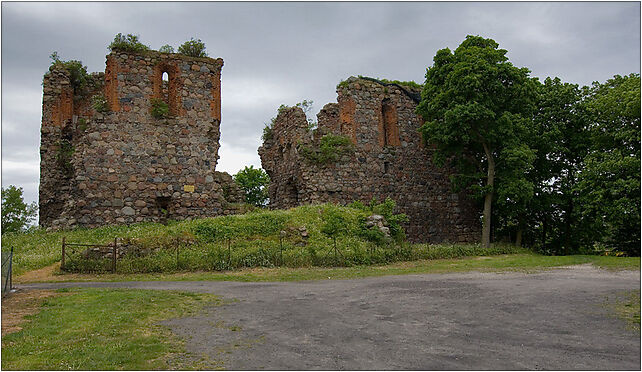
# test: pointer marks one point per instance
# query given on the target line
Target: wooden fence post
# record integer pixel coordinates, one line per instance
(62, 260)
(113, 259)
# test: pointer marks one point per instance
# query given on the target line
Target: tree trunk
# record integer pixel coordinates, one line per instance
(520, 231)
(488, 199)
(544, 225)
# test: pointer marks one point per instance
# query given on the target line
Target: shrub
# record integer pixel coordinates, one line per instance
(128, 43)
(330, 149)
(193, 48)
(78, 75)
(99, 103)
(160, 109)
(65, 153)
(385, 209)
(166, 49)
(267, 133)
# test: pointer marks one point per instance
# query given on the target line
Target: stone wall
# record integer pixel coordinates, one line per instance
(124, 165)
(388, 160)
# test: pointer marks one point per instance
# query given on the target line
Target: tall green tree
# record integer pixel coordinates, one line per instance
(561, 140)
(16, 214)
(477, 109)
(254, 182)
(609, 184)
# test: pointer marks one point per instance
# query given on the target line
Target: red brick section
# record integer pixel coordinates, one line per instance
(389, 129)
(111, 83)
(215, 103)
(347, 108)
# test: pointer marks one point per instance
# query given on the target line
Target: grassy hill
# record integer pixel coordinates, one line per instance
(296, 237)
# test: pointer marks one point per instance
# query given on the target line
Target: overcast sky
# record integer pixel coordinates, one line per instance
(285, 52)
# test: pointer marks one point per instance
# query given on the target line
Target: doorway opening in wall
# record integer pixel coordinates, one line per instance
(163, 204)
(292, 192)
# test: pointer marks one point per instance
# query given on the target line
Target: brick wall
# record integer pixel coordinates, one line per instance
(124, 165)
(389, 161)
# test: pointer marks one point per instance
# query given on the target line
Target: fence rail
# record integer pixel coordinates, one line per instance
(7, 274)
(66, 254)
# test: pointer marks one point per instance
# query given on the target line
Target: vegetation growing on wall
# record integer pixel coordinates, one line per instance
(99, 103)
(160, 109)
(193, 48)
(330, 149)
(127, 43)
(78, 76)
(65, 154)
(166, 49)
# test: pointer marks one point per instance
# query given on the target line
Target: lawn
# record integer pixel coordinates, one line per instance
(525, 262)
(97, 329)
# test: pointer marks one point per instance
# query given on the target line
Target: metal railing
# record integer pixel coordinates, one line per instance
(7, 280)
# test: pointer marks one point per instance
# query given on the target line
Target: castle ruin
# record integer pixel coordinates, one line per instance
(124, 165)
(388, 159)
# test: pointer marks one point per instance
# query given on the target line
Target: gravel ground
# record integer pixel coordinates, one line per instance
(555, 319)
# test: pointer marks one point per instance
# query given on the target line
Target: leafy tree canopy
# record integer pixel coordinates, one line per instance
(254, 182)
(609, 185)
(477, 108)
(16, 214)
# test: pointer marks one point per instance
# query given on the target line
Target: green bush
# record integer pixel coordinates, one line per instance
(78, 75)
(267, 133)
(166, 49)
(193, 48)
(331, 148)
(160, 109)
(128, 43)
(99, 103)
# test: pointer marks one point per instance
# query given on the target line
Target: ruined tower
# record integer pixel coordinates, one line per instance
(104, 158)
(388, 159)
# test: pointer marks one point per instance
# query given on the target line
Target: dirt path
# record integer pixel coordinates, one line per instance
(550, 320)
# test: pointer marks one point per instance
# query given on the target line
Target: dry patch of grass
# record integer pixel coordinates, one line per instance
(45, 274)
(18, 305)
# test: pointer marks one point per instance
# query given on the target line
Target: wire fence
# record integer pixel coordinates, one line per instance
(7, 263)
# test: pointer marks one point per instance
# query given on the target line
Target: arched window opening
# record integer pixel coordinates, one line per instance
(165, 87)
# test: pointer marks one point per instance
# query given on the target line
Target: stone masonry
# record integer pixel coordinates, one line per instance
(124, 165)
(389, 160)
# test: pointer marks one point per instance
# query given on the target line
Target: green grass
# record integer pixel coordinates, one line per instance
(98, 329)
(626, 306)
(254, 242)
(525, 262)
